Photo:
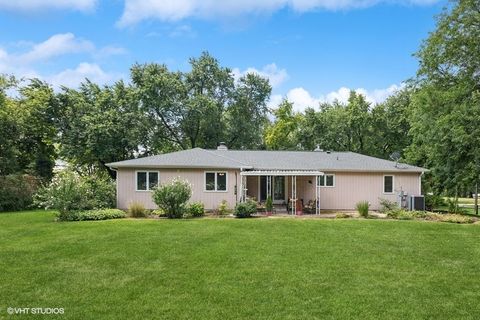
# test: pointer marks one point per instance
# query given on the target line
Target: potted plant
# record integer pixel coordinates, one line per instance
(269, 206)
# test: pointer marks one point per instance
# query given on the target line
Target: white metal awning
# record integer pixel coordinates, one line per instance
(282, 173)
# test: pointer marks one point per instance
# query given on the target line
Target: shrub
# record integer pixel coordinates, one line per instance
(245, 209)
(362, 208)
(159, 212)
(136, 210)
(69, 192)
(453, 206)
(173, 197)
(16, 192)
(100, 190)
(433, 201)
(196, 209)
(100, 214)
(387, 205)
(402, 214)
(342, 215)
(451, 218)
(222, 208)
(269, 204)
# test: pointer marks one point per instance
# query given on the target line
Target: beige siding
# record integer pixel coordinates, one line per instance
(126, 187)
(350, 188)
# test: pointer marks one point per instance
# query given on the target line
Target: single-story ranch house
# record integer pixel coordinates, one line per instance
(332, 180)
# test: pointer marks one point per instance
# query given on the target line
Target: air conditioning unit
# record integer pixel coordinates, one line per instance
(416, 203)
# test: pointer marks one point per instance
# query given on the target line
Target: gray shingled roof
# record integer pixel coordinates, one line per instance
(267, 160)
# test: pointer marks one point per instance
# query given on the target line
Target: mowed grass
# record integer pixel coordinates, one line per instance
(239, 269)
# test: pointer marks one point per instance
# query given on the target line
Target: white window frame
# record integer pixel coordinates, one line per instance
(393, 183)
(215, 174)
(325, 180)
(148, 178)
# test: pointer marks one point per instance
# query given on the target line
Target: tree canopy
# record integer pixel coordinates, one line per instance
(433, 121)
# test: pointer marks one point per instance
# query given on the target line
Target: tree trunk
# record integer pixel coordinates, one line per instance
(476, 198)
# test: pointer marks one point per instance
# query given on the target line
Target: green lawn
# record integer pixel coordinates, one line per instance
(245, 269)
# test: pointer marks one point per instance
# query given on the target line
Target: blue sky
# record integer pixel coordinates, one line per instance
(311, 50)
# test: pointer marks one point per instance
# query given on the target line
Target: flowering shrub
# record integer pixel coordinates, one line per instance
(172, 197)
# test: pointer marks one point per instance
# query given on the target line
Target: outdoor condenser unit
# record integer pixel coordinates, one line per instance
(416, 203)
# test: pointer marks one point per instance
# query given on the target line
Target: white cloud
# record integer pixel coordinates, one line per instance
(73, 77)
(25, 64)
(36, 5)
(302, 99)
(57, 45)
(175, 10)
(275, 75)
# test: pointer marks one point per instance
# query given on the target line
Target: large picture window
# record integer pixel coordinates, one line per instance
(327, 180)
(216, 181)
(146, 180)
(388, 184)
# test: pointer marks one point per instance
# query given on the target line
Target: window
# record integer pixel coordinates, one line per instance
(215, 181)
(387, 184)
(327, 180)
(146, 180)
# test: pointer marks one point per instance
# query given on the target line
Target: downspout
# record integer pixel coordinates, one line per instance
(236, 187)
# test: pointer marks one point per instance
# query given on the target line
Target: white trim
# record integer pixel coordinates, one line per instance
(148, 183)
(282, 173)
(215, 183)
(393, 183)
(325, 180)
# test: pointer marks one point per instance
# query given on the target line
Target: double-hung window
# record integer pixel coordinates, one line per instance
(215, 181)
(327, 180)
(388, 183)
(146, 180)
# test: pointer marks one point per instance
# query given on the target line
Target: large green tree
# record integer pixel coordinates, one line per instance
(282, 134)
(446, 107)
(27, 129)
(98, 125)
(201, 107)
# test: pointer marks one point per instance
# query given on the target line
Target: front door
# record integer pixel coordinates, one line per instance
(278, 189)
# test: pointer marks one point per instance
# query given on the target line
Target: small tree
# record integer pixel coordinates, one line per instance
(173, 197)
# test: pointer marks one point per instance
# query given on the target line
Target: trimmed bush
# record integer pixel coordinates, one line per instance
(245, 209)
(362, 208)
(196, 209)
(136, 210)
(16, 192)
(173, 197)
(101, 214)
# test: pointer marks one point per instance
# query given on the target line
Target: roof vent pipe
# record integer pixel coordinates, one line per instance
(222, 146)
(318, 149)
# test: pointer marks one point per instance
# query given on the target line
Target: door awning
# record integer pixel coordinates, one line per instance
(282, 173)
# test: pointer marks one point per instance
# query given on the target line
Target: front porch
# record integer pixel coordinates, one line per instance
(292, 192)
